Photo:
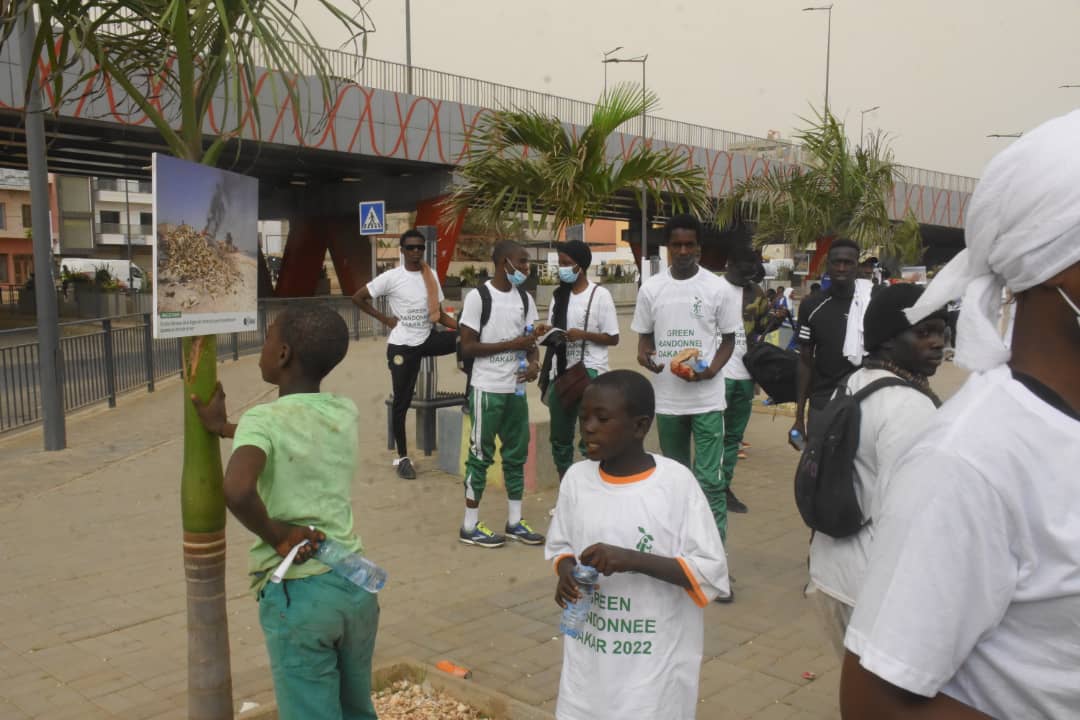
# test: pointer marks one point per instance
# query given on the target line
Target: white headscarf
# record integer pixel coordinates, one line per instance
(1022, 228)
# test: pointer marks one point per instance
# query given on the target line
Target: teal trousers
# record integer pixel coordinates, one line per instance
(320, 634)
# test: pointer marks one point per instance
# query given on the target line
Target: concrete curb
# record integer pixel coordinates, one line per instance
(494, 704)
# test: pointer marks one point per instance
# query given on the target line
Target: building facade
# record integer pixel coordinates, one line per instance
(16, 246)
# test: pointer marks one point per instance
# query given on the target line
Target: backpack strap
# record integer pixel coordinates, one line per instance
(524, 304)
(881, 384)
(485, 306)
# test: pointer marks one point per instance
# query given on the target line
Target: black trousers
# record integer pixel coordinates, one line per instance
(404, 364)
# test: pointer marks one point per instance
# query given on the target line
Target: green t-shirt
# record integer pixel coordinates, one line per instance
(310, 441)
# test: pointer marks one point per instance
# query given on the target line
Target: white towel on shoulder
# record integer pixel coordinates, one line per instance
(853, 338)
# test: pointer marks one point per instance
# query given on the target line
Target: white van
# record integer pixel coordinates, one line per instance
(117, 268)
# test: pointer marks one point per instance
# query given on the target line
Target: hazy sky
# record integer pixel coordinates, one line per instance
(945, 72)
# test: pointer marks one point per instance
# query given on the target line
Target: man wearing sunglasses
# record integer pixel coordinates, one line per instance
(415, 306)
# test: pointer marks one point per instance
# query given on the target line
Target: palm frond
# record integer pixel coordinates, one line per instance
(172, 56)
(521, 162)
(838, 191)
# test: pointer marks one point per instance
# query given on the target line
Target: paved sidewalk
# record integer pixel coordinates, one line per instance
(93, 621)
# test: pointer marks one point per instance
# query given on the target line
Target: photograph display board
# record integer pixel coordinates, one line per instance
(205, 249)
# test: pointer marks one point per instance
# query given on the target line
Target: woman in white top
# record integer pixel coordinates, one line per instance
(575, 298)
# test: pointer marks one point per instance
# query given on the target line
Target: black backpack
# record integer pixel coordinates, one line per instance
(466, 364)
(825, 478)
(774, 369)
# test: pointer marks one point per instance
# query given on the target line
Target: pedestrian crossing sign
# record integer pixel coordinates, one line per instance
(373, 217)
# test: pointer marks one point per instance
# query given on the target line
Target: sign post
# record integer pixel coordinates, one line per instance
(373, 217)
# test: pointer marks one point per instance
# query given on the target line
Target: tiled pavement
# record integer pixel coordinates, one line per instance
(92, 621)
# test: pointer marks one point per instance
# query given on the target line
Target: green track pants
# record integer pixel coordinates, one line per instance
(707, 432)
(502, 415)
(740, 401)
(563, 423)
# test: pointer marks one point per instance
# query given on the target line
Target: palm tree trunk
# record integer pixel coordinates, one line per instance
(202, 501)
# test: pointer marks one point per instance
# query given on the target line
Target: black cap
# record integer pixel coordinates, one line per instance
(578, 251)
(885, 318)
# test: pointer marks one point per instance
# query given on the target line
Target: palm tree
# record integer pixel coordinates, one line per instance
(169, 57)
(523, 162)
(837, 192)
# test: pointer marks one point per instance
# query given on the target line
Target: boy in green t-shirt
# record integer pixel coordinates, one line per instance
(292, 467)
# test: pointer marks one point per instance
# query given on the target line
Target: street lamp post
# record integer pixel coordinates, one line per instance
(605, 64)
(828, 47)
(408, 48)
(644, 197)
(862, 116)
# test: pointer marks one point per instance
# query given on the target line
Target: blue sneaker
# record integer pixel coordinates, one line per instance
(481, 537)
(524, 534)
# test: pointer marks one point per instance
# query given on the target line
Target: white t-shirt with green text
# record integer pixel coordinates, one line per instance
(681, 314)
(408, 303)
(497, 373)
(602, 319)
(640, 653)
(735, 369)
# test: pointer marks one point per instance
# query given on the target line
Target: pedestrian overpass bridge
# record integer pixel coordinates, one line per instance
(388, 133)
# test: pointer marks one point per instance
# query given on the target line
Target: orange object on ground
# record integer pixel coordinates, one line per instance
(451, 669)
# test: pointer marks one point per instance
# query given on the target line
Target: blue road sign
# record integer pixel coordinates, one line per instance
(373, 217)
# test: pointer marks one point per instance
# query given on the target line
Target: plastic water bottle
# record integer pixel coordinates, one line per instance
(522, 366)
(354, 567)
(575, 614)
(797, 439)
(700, 365)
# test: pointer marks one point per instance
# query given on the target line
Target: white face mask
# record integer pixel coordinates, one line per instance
(1072, 305)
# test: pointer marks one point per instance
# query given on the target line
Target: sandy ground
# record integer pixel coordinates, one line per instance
(174, 296)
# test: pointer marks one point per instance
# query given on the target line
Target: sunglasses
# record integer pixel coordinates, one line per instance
(410, 248)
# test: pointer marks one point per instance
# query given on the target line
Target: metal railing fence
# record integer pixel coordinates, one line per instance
(104, 358)
(425, 82)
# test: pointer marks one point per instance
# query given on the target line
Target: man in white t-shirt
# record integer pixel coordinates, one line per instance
(971, 603)
(743, 273)
(687, 307)
(575, 300)
(643, 523)
(889, 420)
(415, 305)
(498, 344)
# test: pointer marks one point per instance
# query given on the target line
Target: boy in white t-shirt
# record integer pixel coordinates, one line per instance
(415, 305)
(495, 409)
(971, 603)
(687, 307)
(643, 522)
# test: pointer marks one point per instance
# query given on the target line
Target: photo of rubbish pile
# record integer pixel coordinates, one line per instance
(205, 255)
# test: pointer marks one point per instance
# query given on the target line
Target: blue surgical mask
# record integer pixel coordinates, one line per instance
(568, 274)
(517, 277)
